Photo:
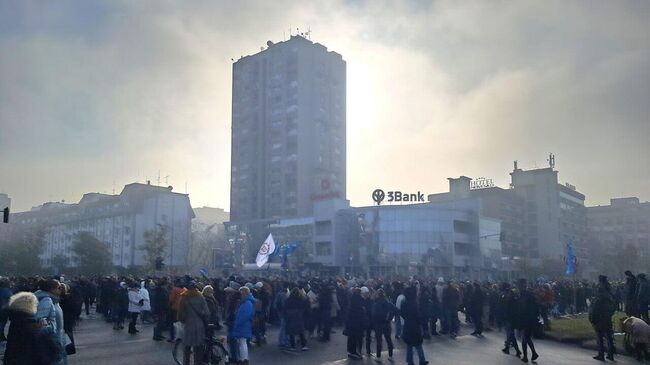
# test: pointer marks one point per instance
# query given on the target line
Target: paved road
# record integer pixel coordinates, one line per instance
(98, 344)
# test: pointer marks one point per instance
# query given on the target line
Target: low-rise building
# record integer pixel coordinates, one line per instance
(119, 221)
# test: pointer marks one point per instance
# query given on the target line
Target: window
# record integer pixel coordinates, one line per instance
(323, 248)
(323, 227)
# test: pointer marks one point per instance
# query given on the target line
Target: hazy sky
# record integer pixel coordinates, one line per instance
(96, 94)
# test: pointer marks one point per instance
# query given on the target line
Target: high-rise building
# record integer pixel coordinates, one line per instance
(288, 130)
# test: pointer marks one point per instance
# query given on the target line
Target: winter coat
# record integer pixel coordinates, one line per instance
(243, 325)
(527, 311)
(144, 293)
(212, 308)
(602, 310)
(644, 290)
(412, 329)
(508, 309)
(135, 300)
(476, 301)
(193, 312)
(294, 310)
(638, 330)
(160, 303)
(450, 298)
(5, 294)
(382, 312)
(357, 318)
(22, 340)
(50, 311)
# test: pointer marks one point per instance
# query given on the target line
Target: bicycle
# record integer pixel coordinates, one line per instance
(214, 350)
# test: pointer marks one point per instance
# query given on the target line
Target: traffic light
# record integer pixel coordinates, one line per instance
(159, 263)
(5, 216)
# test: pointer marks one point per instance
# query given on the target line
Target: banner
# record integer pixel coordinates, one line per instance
(265, 251)
(570, 260)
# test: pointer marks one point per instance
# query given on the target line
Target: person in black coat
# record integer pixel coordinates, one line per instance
(426, 309)
(412, 331)
(295, 308)
(602, 309)
(23, 340)
(160, 308)
(506, 313)
(631, 287)
(382, 313)
(325, 302)
(528, 318)
(355, 324)
(475, 309)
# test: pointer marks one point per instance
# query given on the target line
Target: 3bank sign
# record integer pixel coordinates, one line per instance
(380, 196)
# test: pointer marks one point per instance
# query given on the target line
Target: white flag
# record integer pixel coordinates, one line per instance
(265, 251)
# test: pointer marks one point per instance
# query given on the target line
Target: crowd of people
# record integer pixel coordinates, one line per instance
(42, 312)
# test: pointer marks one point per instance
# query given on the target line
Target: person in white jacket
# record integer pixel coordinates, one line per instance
(135, 306)
(146, 305)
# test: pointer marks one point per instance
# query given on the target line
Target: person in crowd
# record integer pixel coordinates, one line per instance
(49, 311)
(528, 311)
(242, 330)
(160, 308)
(450, 302)
(174, 300)
(213, 308)
(382, 313)
(313, 313)
(5, 294)
(135, 306)
(603, 308)
(279, 305)
(120, 307)
(398, 290)
(24, 347)
(631, 294)
(328, 310)
(295, 308)
(475, 308)
(193, 312)
(355, 324)
(643, 297)
(68, 306)
(426, 309)
(146, 304)
(367, 304)
(412, 331)
(507, 315)
(639, 332)
(261, 309)
(439, 290)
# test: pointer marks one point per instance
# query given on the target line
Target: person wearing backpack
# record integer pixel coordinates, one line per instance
(600, 316)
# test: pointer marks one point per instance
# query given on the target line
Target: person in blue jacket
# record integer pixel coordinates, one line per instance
(242, 330)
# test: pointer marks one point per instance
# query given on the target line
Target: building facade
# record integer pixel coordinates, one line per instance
(622, 227)
(288, 130)
(119, 221)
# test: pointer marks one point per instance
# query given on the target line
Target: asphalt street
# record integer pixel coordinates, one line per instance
(99, 344)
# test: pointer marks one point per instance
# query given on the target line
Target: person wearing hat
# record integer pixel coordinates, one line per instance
(193, 312)
(600, 316)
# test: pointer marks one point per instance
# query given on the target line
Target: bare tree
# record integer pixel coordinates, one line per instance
(154, 246)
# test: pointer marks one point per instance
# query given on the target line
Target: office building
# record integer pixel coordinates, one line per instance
(288, 130)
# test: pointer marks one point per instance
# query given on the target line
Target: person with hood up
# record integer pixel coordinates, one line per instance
(193, 312)
(24, 347)
(242, 330)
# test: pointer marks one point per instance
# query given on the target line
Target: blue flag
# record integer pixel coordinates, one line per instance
(570, 260)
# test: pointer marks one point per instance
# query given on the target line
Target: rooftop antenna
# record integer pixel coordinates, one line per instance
(551, 160)
(166, 180)
(113, 187)
(158, 178)
(308, 33)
